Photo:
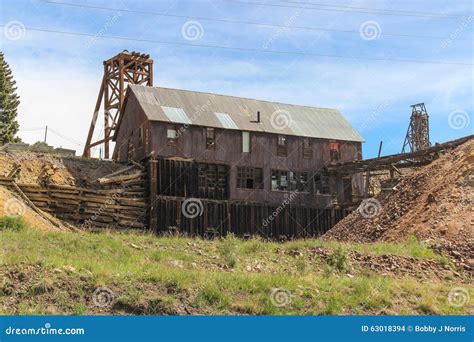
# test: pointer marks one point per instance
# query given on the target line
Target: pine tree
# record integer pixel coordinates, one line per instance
(9, 102)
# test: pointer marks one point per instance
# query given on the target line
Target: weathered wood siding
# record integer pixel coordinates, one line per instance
(191, 144)
(228, 149)
(127, 144)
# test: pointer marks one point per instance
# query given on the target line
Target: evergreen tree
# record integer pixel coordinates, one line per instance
(9, 102)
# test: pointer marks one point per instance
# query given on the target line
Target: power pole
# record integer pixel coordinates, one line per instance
(418, 133)
(45, 133)
(125, 68)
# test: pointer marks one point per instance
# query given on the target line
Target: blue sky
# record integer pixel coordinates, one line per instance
(58, 75)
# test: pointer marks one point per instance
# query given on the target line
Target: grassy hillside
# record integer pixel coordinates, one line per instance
(112, 273)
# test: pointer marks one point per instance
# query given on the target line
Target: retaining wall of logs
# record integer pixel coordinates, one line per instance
(115, 203)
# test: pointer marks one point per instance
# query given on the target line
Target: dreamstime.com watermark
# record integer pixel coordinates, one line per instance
(370, 30)
(109, 202)
(198, 111)
(192, 30)
(459, 119)
(46, 330)
(103, 297)
(14, 207)
(192, 208)
(281, 30)
(458, 297)
(369, 208)
(280, 119)
(280, 208)
(14, 30)
(280, 297)
(111, 21)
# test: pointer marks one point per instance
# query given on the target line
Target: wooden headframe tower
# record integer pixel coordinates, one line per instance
(418, 133)
(125, 68)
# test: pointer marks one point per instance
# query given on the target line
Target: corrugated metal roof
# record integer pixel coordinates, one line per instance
(229, 112)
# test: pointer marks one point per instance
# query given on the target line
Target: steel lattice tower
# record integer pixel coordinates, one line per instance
(418, 133)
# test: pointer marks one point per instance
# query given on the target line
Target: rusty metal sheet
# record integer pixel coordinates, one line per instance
(202, 109)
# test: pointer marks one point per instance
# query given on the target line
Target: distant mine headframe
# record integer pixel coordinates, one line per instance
(119, 71)
(418, 133)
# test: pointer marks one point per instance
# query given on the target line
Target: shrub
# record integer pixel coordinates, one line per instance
(15, 223)
(338, 259)
(228, 249)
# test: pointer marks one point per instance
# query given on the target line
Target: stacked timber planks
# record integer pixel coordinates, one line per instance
(115, 203)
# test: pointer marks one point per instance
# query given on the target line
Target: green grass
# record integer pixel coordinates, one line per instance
(13, 223)
(57, 273)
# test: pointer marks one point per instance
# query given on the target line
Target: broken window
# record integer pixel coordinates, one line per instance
(290, 181)
(281, 146)
(303, 184)
(279, 180)
(210, 141)
(246, 142)
(249, 178)
(321, 183)
(307, 149)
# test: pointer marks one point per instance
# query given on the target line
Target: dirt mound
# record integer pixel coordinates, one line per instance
(396, 265)
(43, 168)
(434, 202)
(11, 205)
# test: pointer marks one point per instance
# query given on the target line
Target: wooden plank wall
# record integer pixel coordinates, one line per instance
(115, 206)
(244, 219)
(181, 178)
(174, 182)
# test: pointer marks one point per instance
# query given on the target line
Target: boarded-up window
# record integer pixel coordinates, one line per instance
(249, 178)
(212, 180)
(281, 146)
(245, 142)
(307, 148)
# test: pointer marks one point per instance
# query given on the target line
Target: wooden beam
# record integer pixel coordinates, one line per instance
(87, 147)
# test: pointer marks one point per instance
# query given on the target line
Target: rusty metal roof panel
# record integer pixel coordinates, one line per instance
(206, 109)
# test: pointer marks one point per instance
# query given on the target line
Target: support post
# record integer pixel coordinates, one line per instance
(153, 195)
(367, 184)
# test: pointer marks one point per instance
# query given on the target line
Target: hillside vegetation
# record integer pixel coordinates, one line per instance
(48, 272)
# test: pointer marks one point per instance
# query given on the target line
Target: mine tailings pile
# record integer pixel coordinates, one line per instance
(434, 203)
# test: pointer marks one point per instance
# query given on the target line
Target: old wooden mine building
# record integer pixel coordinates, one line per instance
(221, 164)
